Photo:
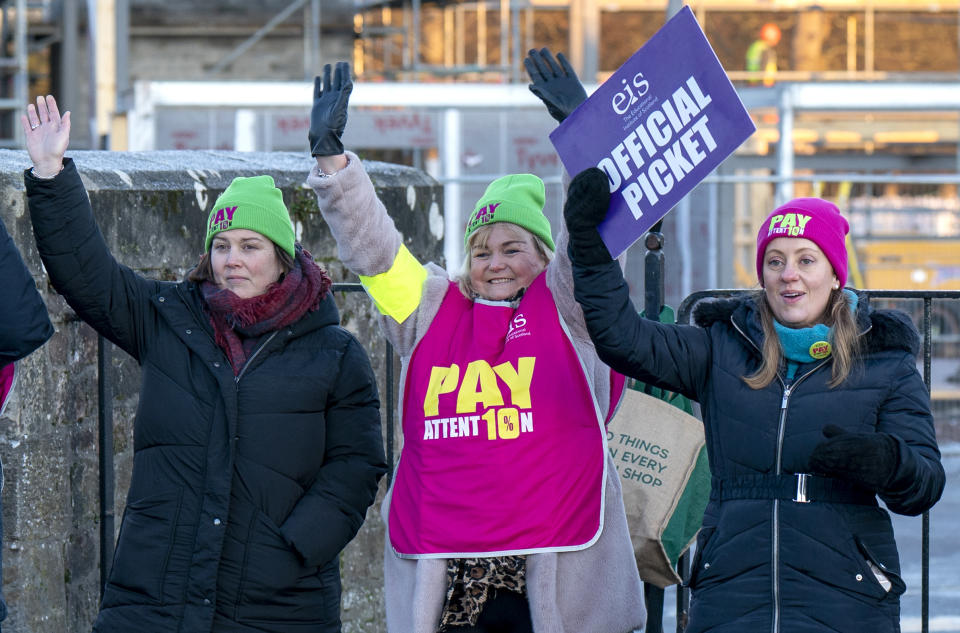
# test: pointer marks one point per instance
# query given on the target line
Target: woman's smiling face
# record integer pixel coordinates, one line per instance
(506, 263)
(797, 280)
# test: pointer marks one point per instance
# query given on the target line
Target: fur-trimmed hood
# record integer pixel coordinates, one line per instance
(883, 329)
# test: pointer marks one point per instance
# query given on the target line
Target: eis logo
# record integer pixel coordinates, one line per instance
(518, 327)
(630, 93)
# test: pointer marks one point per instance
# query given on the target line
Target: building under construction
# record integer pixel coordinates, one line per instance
(854, 101)
(440, 85)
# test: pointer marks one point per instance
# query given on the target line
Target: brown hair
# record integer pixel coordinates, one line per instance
(479, 239)
(846, 340)
(204, 269)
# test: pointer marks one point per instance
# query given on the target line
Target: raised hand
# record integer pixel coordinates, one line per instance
(47, 136)
(555, 82)
(328, 118)
(588, 199)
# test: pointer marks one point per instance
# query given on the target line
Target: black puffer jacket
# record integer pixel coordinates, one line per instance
(24, 323)
(773, 564)
(244, 490)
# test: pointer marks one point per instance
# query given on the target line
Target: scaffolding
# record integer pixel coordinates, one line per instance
(24, 29)
(52, 29)
(391, 34)
(849, 40)
(13, 66)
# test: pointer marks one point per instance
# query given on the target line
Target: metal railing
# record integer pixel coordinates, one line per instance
(653, 303)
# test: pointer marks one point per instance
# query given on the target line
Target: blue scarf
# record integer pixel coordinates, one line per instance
(808, 344)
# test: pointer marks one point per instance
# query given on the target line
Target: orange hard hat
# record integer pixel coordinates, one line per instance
(770, 33)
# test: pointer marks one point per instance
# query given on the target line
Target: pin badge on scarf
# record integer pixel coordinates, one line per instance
(820, 349)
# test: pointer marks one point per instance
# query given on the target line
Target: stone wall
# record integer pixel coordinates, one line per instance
(152, 208)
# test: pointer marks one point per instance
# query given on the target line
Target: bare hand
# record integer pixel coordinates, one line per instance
(47, 135)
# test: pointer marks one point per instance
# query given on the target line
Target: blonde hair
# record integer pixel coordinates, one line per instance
(846, 340)
(479, 238)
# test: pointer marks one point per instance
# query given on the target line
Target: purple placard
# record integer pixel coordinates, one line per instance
(657, 126)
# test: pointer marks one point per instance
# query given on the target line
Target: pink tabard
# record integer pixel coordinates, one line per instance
(7, 373)
(503, 445)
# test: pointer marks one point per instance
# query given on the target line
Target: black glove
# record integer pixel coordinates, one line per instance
(329, 115)
(869, 459)
(555, 82)
(588, 199)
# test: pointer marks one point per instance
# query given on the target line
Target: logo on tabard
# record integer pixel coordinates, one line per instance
(820, 349)
(518, 327)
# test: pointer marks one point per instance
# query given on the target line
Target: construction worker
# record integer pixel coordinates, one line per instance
(762, 54)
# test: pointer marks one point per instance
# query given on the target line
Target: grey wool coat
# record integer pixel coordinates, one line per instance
(594, 590)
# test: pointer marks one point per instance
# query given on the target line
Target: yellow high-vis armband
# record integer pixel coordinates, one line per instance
(397, 292)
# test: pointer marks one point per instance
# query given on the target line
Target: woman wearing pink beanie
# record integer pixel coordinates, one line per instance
(813, 409)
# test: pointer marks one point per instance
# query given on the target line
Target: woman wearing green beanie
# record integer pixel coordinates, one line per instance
(257, 444)
(505, 512)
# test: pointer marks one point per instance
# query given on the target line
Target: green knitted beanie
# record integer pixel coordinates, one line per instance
(517, 199)
(256, 204)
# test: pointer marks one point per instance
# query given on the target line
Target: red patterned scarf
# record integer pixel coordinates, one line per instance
(239, 323)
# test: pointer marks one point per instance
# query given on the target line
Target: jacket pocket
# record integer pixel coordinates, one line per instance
(701, 559)
(889, 579)
(851, 571)
(275, 585)
(875, 549)
(850, 544)
(143, 547)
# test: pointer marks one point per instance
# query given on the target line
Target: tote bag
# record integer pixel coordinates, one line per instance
(659, 453)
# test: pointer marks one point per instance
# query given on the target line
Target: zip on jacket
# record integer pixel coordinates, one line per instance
(788, 389)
